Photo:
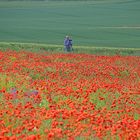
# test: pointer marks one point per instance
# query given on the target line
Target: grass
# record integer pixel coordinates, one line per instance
(34, 47)
(108, 23)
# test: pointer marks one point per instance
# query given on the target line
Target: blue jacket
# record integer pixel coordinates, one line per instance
(66, 42)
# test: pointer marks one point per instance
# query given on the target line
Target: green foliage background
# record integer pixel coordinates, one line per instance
(100, 23)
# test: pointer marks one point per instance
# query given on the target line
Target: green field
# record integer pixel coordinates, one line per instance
(99, 23)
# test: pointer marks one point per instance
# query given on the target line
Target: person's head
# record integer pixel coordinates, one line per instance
(67, 37)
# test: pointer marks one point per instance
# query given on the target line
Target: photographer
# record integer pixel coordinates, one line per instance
(68, 44)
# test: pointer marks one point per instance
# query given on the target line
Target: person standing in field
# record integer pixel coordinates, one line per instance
(68, 44)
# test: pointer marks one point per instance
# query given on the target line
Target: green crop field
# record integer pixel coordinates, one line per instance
(99, 23)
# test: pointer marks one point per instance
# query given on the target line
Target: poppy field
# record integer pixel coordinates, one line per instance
(69, 96)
